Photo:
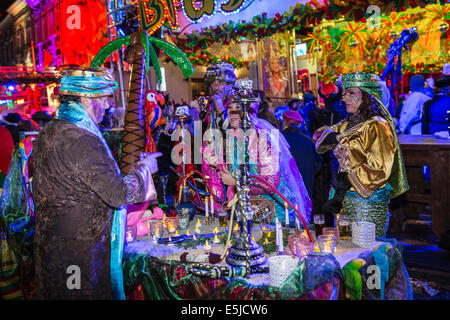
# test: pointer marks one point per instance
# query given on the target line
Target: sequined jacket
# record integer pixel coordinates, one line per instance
(75, 187)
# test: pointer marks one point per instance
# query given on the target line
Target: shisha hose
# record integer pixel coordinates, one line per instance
(288, 202)
(201, 175)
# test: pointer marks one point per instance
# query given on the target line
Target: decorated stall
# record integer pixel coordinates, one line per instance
(180, 247)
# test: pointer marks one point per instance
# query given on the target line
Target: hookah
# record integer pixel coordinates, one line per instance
(246, 253)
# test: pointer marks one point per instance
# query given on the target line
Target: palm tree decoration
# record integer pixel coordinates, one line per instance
(438, 12)
(318, 40)
(355, 36)
(391, 23)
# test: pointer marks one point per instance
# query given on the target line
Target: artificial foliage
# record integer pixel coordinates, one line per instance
(337, 47)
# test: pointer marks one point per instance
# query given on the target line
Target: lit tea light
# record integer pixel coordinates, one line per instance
(269, 234)
(171, 227)
(187, 233)
(129, 237)
(199, 224)
(207, 245)
(216, 239)
(216, 230)
(197, 230)
(176, 233)
(265, 241)
(236, 227)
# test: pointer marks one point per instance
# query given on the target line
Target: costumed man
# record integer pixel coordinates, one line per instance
(80, 195)
(220, 78)
(371, 168)
(269, 157)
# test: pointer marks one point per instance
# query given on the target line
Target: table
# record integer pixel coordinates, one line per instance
(429, 150)
(154, 271)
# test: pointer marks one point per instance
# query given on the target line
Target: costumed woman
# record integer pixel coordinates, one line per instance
(269, 157)
(220, 78)
(79, 195)
(371, 168)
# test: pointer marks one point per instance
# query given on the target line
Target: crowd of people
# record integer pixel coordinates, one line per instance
(340, 158)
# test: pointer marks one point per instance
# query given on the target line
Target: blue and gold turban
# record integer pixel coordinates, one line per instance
(91, 83)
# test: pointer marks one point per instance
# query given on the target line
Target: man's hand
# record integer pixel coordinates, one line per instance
(151, 162)
(227, 178)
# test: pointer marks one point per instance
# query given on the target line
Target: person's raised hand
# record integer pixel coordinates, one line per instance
(151, 161)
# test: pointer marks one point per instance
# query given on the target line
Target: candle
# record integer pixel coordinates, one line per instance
(286, 212)
(265, 241)
(206, 207)
(216, 230)
(197, 230)
(129, 237)
(176, 233)
(297, 223)
(171, 227)
(216, 240)
(212, 206)
(207, 245)
(279, 236)
(187, 233)
(198, 223)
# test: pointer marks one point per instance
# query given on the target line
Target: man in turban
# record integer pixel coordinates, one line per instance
(79, 195)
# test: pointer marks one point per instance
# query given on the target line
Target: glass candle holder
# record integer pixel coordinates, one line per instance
(293, 238)
(130, 233)
(327, 243)
(303, 248)
(333, 232)
(172, 223)
(183, 221)
(280, 267)
(156, 228)
(363, 233)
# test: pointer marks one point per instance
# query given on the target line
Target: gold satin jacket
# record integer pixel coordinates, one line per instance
(366, 152)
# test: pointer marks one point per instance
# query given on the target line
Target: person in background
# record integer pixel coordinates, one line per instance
(429, 87)
(6, 150)
(307, 109)
(264, 111)
(293, 104)
(411, 114)
(42, 118)
(436, 111)
(10, 122)
(302, 148)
